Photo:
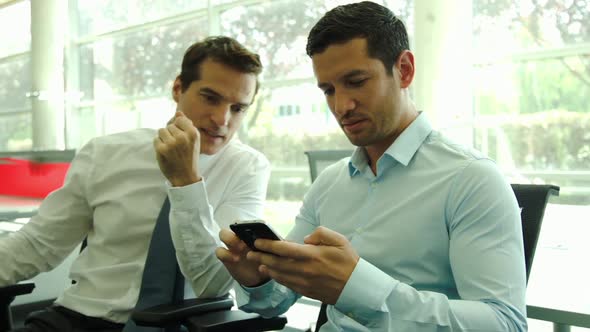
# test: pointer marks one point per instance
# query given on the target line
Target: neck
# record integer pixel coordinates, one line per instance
(375, 151)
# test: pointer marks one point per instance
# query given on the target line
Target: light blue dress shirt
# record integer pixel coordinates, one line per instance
(438, 232)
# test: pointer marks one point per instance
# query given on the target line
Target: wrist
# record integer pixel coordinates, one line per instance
(185, 181)
(260, 283)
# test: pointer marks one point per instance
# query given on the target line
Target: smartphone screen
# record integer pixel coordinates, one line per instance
(249, 231)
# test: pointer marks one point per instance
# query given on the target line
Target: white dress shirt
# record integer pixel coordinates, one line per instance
(112, 195)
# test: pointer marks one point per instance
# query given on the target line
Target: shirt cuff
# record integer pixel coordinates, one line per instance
(360, 301)
(245, 295)
(188, 197)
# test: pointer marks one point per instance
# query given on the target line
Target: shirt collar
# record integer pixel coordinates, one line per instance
(403, 148)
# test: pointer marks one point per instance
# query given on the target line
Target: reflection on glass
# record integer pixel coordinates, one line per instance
(278, 31)
(534, 119)
(16, 32)
(15, 82)
(16, 132)
(139, 64)
(96, 17)
(85, 123)
(501, 27)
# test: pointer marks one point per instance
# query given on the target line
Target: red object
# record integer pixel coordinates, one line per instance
(26, 178)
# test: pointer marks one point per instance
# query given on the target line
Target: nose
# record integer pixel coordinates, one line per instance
(221, 115)
(343, 103)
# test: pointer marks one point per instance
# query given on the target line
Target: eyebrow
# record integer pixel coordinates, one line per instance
(214, 93)
(348, 75)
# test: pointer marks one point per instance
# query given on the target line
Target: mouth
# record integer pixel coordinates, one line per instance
(352, 125)
(212, 133)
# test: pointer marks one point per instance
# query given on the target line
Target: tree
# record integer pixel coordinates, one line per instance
(538, 23)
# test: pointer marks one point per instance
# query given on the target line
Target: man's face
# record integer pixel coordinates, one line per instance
(216, 103)
(365, 100)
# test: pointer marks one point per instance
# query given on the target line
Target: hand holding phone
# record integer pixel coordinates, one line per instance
(249, 231)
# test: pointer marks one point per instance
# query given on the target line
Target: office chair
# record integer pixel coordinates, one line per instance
(320, 159)
(532, 199)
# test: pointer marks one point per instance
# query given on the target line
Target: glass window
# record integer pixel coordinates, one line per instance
(15, 83)
(140, 64)
(16, 23)
(16, 131)
(531, 107)
(110, 117)
(15, 77)
(97, 17)
(503, 27)
(532, 116)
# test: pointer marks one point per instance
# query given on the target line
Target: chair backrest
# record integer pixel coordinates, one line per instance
(320, 159)
(532, 199)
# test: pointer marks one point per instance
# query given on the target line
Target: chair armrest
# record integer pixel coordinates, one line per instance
(17, 289)
(7, 295)
(166, 314)
(234, 320)
(206, 315)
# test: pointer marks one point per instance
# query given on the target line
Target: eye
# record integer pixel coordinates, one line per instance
(357, 82)
(329, 92)
(211, 99)
(238, 108)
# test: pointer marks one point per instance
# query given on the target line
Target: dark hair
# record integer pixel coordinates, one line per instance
(222, 49)
(386, 34)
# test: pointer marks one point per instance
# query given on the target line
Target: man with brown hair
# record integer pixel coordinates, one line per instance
(115, 188)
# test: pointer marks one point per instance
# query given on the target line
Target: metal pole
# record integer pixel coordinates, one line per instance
(48, 24)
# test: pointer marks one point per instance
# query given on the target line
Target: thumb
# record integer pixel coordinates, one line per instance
(179, 114)
(325, 236)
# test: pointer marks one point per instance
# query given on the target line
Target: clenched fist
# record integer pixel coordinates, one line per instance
(175, 148)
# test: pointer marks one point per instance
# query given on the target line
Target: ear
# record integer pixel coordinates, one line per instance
(405, 66)
(176, 89)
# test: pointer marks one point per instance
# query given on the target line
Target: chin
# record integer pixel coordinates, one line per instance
(211, 150)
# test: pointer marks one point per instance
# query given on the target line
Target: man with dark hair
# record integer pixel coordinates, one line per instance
(116, 186)
(412, 232)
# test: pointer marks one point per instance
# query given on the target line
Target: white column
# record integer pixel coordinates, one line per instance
(48, 24)
(443, 81)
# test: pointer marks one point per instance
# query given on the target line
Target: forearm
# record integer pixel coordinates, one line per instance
(390, 305)
(269, 300)
(47, 238)
(195, 237)
(21, 260)
(45, 241)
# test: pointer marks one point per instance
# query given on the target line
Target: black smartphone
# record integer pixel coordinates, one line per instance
(249, 231)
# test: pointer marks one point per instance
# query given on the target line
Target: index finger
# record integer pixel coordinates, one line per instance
(184, 123)
(231, 240)
(285, 248)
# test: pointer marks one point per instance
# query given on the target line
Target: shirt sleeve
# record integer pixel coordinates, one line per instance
(195, 224)
(486, 255)
(61, 223)
(273, 299)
